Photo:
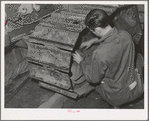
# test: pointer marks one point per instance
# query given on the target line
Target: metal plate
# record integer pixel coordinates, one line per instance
(50, 76)
(50, 43)
(56, 32)
(49, 55)
(60, 21)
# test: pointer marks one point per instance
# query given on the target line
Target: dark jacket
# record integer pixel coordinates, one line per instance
(112, 68)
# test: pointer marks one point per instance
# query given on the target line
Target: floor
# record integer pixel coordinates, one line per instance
(31, 95)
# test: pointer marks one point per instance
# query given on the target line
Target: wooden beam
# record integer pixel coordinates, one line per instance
(56, 101)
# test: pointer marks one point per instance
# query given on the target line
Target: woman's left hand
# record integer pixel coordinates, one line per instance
(77, 57)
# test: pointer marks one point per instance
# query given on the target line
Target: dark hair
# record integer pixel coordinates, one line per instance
(97, 18)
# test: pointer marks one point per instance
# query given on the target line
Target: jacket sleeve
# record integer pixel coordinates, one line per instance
(95, 71)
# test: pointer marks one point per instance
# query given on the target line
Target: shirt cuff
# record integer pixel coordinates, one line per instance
(82, 65)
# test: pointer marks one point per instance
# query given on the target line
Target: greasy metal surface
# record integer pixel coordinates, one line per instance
(68, 24)
(50, 76)
(55, 32)
(49, 54)
(51, 43)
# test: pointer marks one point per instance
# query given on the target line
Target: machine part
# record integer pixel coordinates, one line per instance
(50, 43)
(56, 32)
(49, 55)
(50, 76)
(85, 89)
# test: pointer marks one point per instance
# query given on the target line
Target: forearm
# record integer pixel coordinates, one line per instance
(83, 65)
(96, 40)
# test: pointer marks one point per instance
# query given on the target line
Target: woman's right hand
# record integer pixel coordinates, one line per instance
(88, 43)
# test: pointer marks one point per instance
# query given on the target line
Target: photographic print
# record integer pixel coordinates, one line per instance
(74, 60)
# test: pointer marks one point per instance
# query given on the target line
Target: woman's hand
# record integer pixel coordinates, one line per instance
(88, 44)
(77, 57)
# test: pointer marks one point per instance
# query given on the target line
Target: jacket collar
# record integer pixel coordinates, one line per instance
(109, 36)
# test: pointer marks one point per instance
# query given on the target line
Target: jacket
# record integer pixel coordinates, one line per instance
(112, 68)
